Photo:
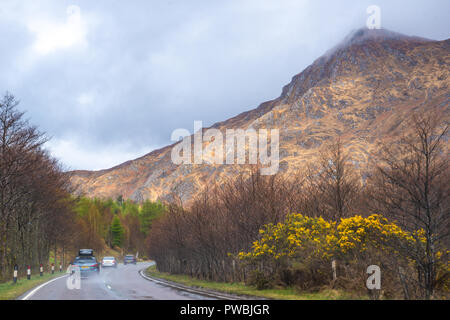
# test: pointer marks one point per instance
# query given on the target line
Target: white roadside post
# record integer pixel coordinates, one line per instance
(29, 273)
(41, 270)
(333, 267)
(15, 273)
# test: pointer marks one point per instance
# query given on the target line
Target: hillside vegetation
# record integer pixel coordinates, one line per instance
(41, 222)
(282, 231)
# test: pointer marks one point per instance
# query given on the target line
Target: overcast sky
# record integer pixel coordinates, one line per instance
(110, 80)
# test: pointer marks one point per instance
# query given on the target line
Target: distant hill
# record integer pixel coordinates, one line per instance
(360, 90)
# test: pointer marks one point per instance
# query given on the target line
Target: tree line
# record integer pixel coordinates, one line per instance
(122, 225)
(34, 201)
(404, 188)
(226, 234)
(40, 221)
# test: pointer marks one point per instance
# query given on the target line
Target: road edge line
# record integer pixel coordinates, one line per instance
(190, 289)
(36, 289)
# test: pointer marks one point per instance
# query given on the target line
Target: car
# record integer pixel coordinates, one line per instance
(88, 265)
(129, 258)
(109, 262)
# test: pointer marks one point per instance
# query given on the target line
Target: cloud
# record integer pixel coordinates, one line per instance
(112, 81)
(86, 99)
(76, 155)
(52, 36)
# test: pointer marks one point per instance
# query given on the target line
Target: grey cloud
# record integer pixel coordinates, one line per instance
(150, 67)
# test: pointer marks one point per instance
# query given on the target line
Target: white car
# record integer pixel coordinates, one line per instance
(109, 262)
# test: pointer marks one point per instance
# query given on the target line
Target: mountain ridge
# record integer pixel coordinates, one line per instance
(352, 86)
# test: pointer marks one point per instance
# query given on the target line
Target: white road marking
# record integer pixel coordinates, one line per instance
(191, 290)
(32, 292)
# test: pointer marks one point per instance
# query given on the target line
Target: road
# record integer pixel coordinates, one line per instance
(123, 283)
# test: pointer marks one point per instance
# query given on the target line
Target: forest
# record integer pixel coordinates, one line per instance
(119, 225)
(323, 227)
(318, 228)
(41, 222)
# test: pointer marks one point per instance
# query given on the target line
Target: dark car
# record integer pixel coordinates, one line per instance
(129, 259)
(87, 263)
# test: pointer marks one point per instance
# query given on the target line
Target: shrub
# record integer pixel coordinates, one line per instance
(299, 251)
(259, 280)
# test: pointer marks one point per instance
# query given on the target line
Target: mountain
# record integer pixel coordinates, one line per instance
(360, 90)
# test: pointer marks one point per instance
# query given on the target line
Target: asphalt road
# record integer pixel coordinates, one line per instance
(123, 283)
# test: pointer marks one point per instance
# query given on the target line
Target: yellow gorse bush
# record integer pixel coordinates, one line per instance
(298, 232)
(375, 231)
(312, 236)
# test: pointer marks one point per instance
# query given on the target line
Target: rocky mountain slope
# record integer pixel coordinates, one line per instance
(361, 90)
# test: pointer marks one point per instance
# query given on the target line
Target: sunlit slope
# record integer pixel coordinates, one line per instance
(361, 90)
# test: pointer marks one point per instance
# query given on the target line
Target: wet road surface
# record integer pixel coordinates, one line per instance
(123, 283)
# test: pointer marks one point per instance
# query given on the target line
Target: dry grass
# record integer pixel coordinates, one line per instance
(242, 289)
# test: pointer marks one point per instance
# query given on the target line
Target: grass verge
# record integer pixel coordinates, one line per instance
(242, 289)
(11, 291)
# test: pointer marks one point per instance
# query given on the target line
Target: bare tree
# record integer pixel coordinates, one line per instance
(411, 186)
(32, 192)
(333, 185)
(224, 219)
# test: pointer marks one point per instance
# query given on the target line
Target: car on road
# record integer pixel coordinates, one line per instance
(87, 263)
(109, 262)
(129, 258)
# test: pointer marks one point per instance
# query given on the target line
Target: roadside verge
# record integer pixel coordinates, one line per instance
(13, 291)
(241, 291)
(195, 290)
